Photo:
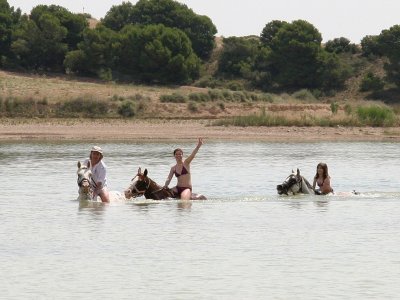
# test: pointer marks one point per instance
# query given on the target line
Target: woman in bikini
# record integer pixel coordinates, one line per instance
(182, 172)
(323, 180)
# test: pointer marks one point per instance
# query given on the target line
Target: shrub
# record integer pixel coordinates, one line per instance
(215, 94)
(127, 109)
(199, 97)
(334, 107)
(375, 115)
(239, 96)
(304, 94)
(235, 86)
(348, 109)
(138, 97)
(173, 98)
(85, 107)
(370, 82)
(193, 107)
(207, 82)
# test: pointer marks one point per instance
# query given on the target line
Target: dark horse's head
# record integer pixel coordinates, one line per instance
(142, 185)
(294, 184)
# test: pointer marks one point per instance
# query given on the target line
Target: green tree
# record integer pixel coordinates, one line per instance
(389, 46)
(118, 16)
(156, 53)
(199, 29)
(270, 30)
(340, 45)
(295, 48)
(370, 82)
(39, 45)
(95, 54)
(331, 72)
(294, 59)
(370, 46)
(8, 20)
(74, 23)
(238, 56)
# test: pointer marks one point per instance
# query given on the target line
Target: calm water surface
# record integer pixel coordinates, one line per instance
(245, 242)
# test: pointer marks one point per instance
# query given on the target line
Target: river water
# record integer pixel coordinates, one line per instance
(245, 242)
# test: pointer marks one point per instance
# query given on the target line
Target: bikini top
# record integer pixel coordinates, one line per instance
(320, 184)
(183, 172)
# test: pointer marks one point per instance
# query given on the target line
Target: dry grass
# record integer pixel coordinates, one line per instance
(60, 88)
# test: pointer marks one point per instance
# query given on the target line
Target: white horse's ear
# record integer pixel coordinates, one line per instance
(79, 164)
(139, 170)
(298, 172)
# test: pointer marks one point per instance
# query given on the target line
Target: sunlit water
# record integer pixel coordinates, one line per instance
(245, 242)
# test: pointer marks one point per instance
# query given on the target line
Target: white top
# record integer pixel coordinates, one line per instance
(98, 171)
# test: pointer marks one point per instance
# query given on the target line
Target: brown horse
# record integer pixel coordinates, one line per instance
(142, 185)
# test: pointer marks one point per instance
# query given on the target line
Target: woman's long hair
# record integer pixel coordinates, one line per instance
(324, 167)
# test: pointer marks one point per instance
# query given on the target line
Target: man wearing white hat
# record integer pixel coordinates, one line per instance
(99, 170)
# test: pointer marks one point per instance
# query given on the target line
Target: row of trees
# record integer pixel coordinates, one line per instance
(165, 41)
(286, 56)
(154, 40)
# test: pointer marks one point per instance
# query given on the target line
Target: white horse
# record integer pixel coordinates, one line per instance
(86, 183)
(295, 184)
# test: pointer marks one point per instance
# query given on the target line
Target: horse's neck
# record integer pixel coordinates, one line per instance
(153, 187)
(84, 196)
(306, 186)
(156, 192)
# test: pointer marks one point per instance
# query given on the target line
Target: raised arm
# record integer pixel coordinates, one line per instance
(191, 156)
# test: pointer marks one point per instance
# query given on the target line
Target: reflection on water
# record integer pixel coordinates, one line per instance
(245, 242)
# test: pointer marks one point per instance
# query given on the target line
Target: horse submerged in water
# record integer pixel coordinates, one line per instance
(84, 181)
(142, 185)
(295, 184)
(86, 185)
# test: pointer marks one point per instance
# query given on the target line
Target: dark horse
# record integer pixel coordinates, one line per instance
(295, 184)
(142, 185)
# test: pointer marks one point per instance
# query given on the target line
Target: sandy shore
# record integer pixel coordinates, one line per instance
(147, 130)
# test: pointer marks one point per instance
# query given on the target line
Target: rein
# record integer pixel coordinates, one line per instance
(140, 192)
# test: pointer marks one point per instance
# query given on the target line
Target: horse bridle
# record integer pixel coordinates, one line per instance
(298, 181)
(140, 192)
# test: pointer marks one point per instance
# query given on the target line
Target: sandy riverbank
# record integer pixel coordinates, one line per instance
(147, 130)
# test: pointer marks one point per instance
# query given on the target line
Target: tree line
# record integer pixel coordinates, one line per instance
(163, 41)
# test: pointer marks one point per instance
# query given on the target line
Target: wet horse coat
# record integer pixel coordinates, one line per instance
(87, 185)
(142, 185)
(84, 181)
(295, 184)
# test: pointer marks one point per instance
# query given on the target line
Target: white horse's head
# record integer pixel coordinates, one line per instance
(294, 184)
(84, 180)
